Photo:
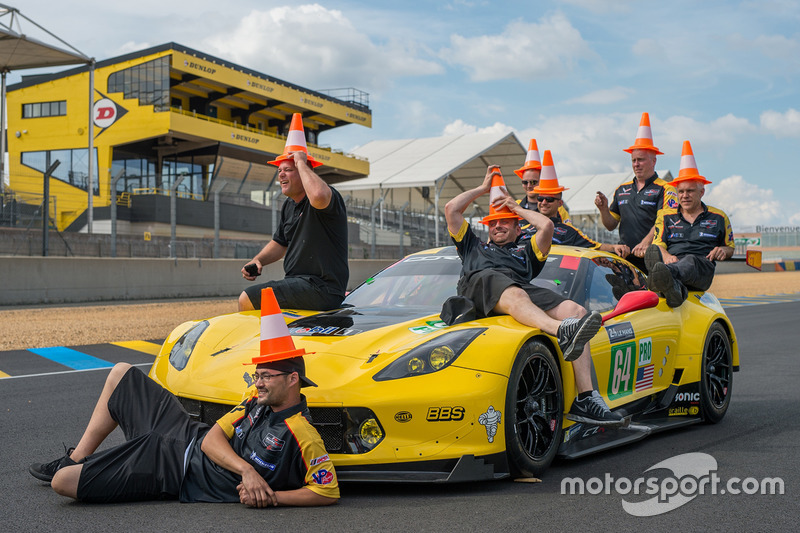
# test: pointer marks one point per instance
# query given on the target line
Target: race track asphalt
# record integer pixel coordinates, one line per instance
(757, 439)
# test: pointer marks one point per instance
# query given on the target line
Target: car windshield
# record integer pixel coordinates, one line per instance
(427, 280)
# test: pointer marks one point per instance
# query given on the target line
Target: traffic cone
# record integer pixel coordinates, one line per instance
(498, 190)
(644, 137)
(532, 161)
(295, 142)
(688, 171)
(276, 343)
(548, 181)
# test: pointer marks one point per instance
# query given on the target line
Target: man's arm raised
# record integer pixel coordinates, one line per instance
(318, 192)
(454, 209)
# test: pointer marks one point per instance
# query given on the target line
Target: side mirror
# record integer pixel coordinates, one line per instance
(633, 301)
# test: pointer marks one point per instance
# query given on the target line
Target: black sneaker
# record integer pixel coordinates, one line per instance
(663, 283)
(652, 256)
(46, 471)
(574, 333)
(593, 410)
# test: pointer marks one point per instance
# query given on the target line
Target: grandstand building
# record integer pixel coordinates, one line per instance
(168, 121)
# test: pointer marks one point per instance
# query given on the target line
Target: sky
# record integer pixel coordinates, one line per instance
(574, 74)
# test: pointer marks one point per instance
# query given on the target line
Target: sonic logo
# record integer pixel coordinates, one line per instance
(322, 477)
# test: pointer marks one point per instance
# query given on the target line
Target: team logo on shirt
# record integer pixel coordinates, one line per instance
(318, 460)
(261, 462)
(708, 224)
(272, 443)
(623, 191)
(323, 477)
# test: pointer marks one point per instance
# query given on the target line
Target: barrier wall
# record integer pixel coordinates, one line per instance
(46, 280)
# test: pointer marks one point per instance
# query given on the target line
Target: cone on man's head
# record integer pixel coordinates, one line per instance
(532, 161)
(295, 142)
(548, 181)
(498, 190)
(688, 171)
(277, 349)
(644, 137)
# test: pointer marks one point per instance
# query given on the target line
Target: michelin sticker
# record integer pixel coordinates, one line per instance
(490, 419)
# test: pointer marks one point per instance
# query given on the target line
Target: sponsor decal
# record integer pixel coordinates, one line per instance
(239, 432)
(260, 86)
(261, 462)
(560, 230)
(620, 332)
(402, 417)
(708, 223)
(675, 235)
(593, 430)
(417, 258)
(651, 192)
(490, 420)
(644, 378)
(198, 66)
(679, 411)
(319, 330)
(244, 138)
(310, 102)
(106, 112)
(571, 431)
(622, 202)
(272, 443)
(430, 326)
(692, 397)
(703, 234)
(318, 460)
(444, 414)
(645, 202)
(672, 203)
(322, 477)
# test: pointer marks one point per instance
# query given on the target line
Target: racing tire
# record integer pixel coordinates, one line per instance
(716, 384)
(534, 411)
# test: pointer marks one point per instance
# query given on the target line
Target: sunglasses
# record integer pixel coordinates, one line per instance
(548, 198)
(529, 183)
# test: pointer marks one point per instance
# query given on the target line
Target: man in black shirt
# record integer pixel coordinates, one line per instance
(689, 239)
(496, 278)
(637, 202)
(311, 237)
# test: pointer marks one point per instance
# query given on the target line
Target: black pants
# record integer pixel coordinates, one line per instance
(694, 271)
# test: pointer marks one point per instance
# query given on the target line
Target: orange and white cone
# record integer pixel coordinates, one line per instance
(295, 142)
(644, 137)
(548, 181)
(688, 171)
(532, 160)
(498, 190)
(276, 343)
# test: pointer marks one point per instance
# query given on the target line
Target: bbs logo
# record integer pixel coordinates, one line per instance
(445, 414)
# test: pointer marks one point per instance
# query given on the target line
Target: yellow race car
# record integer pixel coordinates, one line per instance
(403, 397)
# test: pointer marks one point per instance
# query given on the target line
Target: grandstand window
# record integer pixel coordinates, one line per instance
(44, 109)
(73, 166)
(149, 82)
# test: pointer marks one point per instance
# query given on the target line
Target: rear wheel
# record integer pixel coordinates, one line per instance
(717, 375)
(534, 407)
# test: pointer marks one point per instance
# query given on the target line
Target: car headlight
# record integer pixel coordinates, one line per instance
(182, 349)
(431, 356)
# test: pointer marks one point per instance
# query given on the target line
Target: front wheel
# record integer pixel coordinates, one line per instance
(535, 406)
(717, 375)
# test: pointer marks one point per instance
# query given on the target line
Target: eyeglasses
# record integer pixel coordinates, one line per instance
(548, 198)
(529, 183)
(266, 376)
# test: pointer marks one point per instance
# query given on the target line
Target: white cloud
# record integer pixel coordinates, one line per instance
(318, 47)
(523, 51)
(746, 204)
(725, 130)
(781, 125)
(459, 127)
(604, 96)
